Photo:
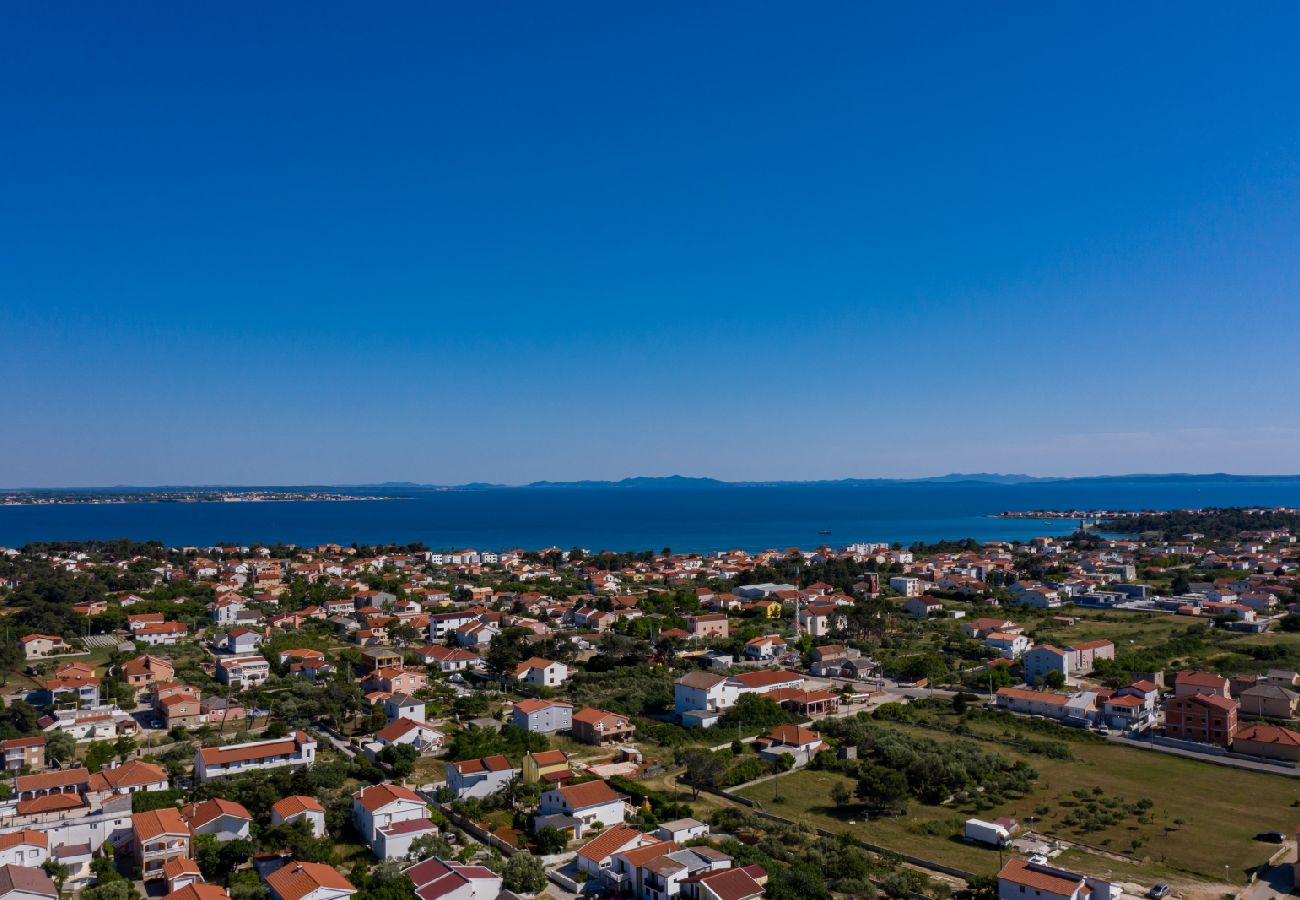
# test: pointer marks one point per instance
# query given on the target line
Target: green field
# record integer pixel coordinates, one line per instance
(1220, 808)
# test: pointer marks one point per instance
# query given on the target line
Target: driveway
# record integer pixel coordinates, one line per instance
(1276, 881)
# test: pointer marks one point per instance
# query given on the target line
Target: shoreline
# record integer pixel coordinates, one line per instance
(255, 497)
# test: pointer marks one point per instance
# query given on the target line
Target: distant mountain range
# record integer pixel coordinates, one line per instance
(684, 482)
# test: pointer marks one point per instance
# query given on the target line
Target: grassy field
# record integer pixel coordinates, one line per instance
(1203, 817)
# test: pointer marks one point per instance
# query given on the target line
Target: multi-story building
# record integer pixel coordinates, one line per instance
(157, 836)
(541, 672)
(24, 753)
(1205, 718)
(542, 716)
(598, 727)
(241, 672)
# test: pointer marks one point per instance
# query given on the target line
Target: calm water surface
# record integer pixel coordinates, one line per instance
(695, 519)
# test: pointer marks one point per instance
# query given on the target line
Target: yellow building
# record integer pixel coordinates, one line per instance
(549, 766)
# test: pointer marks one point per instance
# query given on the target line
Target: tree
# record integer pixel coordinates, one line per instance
(523, 874)
(57, 871)
(400, 758)
(123, 747)
(704, 769)
(840, 794)
(113, 890)
(60, 746)
(1054, 680)
(883, 788)
(99, 754)
(507, 650)
(550, 840)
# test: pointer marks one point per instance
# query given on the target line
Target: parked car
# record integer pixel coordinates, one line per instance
(1160, 890)
(1103, 730)
(1271, 837)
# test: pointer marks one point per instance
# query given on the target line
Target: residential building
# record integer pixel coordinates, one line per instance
(767, 647)
(1189, 683)
(36, 646)
(308, 881)
(1268, 741)
(479, 777)
(24, 753)
(542, 716)
(26, 883)
(146, 670)
(923, 607)
(601, 728)
(299, 807)
(157, 634)
(580, 807)
(436, 879)
(551, 766)
(224, 819)
(242, 672)
(1268, 701)
(701, 697)
(1022, 879)
(391, 817)
(296, 750)
(1206, 718)
(541, 672)
(24, 847)
(403, 706)
(156, 837)
(708, 626)
(420, 735)
(1045, 659)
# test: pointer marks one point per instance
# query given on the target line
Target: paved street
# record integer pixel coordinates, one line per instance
(1258, 766)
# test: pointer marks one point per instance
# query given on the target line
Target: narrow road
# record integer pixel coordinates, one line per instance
(1233, 762)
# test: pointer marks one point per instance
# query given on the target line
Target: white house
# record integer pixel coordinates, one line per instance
(403, 706)
(906, 585)
(479, 777)
(541, 672)
(582, 806)
(704, 692)
(420, 735)
(1008, 646)
(240, 672)
(225, 819)
(391, 817)
(436, 879)
(291, 809)
(309, 881)
(923, 607)
(1020, 879)
(24, 848)
(296, 750)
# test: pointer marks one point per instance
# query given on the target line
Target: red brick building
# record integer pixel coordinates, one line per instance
(1206, 718)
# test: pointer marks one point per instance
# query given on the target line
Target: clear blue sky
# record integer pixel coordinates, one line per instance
(288, 243)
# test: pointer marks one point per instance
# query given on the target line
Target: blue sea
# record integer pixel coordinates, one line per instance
(613, 518)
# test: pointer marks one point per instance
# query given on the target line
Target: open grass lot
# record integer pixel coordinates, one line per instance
(1220, 808)
(1124, 629)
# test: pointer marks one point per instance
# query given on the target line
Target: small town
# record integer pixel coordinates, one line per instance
(1068, 715)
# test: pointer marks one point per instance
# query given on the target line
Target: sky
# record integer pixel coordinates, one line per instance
(326, 243)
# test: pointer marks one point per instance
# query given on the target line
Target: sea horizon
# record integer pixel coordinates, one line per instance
(704, 518)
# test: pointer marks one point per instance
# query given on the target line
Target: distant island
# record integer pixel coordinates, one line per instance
(390, 490)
